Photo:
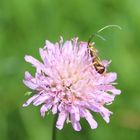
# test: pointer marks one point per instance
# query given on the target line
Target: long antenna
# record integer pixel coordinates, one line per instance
(93, 35)
(108, 26)
(105, 27)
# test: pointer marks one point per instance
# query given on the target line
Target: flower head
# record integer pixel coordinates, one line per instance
(67, 83)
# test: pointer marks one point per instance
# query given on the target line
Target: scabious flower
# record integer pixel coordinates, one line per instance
(67, 84)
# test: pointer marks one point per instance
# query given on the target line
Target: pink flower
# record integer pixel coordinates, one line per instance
(67, 83)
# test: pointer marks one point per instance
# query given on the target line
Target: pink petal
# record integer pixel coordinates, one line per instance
(50, 46)
(74, 42)
(28, 76)
(43, 54)
(115, 91)
(34, 62)
(83, 44)
(45, 108)
(54, 109)
(76, 125)
(30, 100)
(93, 124)
(106, 63)
(105, 87)
(61, 119)
(105, 114)
(75, 112)
(30, 84)
(82, 49)
(110, 77)
(41, 99)
(104, 97)
(67, 48)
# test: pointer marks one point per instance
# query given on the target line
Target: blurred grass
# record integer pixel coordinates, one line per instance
(24, 27)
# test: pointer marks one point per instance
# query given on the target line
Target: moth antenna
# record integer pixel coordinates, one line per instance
(105, 27)
(108, 26)
(93, 35)
(90, 38)
(101, 37)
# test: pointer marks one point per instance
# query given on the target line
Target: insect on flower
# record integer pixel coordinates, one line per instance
(72, 87)
(97, 63)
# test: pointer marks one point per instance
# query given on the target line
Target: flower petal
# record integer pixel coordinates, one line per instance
(67, 48)
(54, 109)
(75, 112)
(110, 77)
(50, 46)
(34, 62)
(115, 91)
(30, 84)
(93, 124)
(61, 119)
(41, 99)
(30, 100)
(105, 114)
(28, 76)
(76, 125)
(45, 108)
(43, 54)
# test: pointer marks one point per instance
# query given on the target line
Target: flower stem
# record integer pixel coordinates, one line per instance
(54, 127)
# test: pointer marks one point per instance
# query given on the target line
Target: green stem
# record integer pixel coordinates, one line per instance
(54, 128)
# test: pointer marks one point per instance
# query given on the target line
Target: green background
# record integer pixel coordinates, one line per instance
(24, 27)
